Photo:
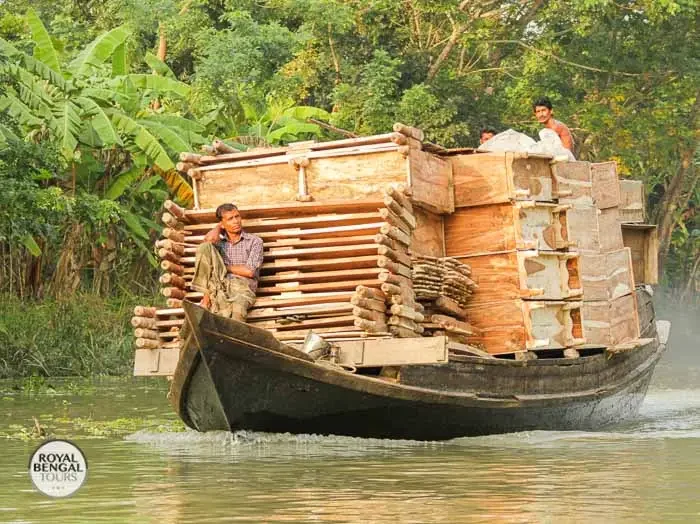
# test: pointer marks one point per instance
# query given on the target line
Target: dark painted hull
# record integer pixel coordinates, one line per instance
(232, 376)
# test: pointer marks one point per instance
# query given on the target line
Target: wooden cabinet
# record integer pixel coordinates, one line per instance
(520, 325)
(505, 227)
(532, 274)
(491, 178)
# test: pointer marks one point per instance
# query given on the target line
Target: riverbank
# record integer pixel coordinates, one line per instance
(85, 335)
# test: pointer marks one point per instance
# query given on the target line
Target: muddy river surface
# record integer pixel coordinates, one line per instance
(144, 467)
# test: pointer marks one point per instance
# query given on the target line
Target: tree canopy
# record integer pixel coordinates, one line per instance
(143, 79)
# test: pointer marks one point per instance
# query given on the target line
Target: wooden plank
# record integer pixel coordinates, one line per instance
(320, 242)
(248, 186)
(303, 300)
(291, 209)
(322, 252)
(584, 228)
(323, 232)
(255, 225)
(160, 362)
(393, 352)
(606, 186)
(313, 310)
(323, 286)
(355, 176)
(632, 201)
(329, 263)
(643, 241)
(320, 276)
(337, 321)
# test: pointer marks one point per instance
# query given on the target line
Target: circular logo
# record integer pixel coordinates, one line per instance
(58, 468)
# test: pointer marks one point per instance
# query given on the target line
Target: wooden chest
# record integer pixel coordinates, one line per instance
(632, 201)
(611, 322)
(343, 173)
(520, 325)
(595, 230)
(506, 227)
(543, 275)
(606, 276)
(491, 178)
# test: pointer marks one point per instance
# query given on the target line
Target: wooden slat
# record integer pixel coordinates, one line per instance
(325, 286)
(287, 210)
(308, 299)
(263, 224)
(320, 309)
(321, 252)
(306, 324)
(319, 276)
(330, 263)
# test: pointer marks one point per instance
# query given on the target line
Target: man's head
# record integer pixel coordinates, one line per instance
(542, 108)
(230, 218)
(487, 133)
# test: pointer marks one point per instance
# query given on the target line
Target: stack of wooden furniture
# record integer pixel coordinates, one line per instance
(338, 222)
(609, 304)
(389, 236)
(511, 228)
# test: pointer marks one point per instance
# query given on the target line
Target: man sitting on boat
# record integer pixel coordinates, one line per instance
(227, 266)
(542, 108)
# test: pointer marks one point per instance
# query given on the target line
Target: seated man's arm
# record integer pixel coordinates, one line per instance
(252, 265)
(213, 236)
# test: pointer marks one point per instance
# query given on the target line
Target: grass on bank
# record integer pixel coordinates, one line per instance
(85, 335)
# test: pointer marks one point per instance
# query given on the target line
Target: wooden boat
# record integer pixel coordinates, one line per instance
(233, 376)
(371, 242)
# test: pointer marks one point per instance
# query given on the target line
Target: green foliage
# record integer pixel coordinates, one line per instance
(68, 338)
(622, 75)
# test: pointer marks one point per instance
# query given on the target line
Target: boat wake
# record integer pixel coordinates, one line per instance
(665, 414)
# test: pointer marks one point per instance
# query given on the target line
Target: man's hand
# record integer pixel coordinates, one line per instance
(241, 270)
(205, 302)
(213, 236)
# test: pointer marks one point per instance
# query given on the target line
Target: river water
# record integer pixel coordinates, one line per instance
(143, 467)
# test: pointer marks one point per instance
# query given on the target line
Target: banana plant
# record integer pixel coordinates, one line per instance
(94, 106)
(264, 124)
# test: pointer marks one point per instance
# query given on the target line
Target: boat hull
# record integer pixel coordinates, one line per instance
(229, 380)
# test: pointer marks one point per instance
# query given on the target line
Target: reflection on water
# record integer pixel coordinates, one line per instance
(142, 471)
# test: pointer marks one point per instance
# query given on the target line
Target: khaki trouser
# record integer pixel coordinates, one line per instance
(230, 297)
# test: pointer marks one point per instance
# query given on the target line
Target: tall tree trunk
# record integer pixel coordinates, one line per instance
(675, 198)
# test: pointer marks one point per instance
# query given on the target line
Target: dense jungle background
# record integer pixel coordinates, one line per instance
(98, 98)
